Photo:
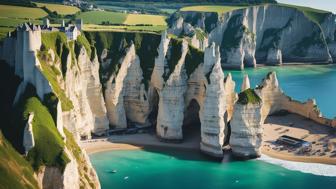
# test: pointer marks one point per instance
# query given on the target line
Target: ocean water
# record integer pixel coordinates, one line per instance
(150, 169)
(299, 82)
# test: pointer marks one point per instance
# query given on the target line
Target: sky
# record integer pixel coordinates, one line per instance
(329, 5)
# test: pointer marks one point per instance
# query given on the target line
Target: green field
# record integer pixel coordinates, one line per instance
(9, 11)
(98, 17)
(212, 8)
(14, 22)
(60, 9)
(93, 27)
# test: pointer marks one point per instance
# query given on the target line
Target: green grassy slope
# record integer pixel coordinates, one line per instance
(97, 17)
(9, 11)
(60, 9)
(15, 171)
(58, 43)
(145, 45)
(49, 145)
(220, 9)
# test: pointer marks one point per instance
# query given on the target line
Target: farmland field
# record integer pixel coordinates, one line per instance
(212, 8)
(93, 27)
(133, 19)
(13, 22)
(60, 9)
(21, 12)
(98, 17)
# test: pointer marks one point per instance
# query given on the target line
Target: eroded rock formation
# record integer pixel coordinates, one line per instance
(266, 34)
(28, 135)
(246, 125)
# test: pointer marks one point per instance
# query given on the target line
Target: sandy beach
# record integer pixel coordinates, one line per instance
(323, 139)
(135, 141)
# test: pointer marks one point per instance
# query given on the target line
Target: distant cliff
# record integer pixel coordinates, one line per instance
(265, 34)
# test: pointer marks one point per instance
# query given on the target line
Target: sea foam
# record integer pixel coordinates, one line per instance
(313, 168)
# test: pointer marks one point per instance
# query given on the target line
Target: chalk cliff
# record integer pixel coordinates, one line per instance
(41, 68)
(246, 125)
(266, 34)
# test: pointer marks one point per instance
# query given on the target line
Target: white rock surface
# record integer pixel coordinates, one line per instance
(171, 102)
(246, 83)
(246, 130)
(28, 135)
(213, 109)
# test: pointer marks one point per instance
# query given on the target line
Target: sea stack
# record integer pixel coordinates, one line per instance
(246, 83)
(246, 125)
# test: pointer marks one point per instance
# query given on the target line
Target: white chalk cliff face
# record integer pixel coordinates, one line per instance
(28, 135)
(212, 111)
(82, 86)
(171, 102)
(267, 34)
(125, 94)
(246, 129)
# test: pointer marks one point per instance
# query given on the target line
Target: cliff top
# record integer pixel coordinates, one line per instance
(315, 15)
(248, 97)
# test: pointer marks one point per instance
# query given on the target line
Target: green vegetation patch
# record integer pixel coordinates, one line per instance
(173, 56)
(116, 44)
(72, 145)
(59, 9)
(9, 11)
(49, 145)
(248, 97)
(193, 59)
(4, 32)
(58, 43)
(15, 171)
(212, 8)
(145, 19)
(98, 17)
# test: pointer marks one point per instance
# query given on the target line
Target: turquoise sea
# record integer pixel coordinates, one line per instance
(150, 169)
(299, 82)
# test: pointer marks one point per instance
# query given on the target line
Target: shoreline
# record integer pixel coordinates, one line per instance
(302, 164)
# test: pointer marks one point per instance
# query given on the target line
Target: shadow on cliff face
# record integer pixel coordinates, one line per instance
(8, 86)
(191, 123)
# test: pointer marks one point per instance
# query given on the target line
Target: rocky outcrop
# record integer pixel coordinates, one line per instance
(213, 109)
(28, 135)
(274, 100)
(246, 83)
(125, 94)
(171, 102)
(266, 34)
(231, 95)
(246, 125)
